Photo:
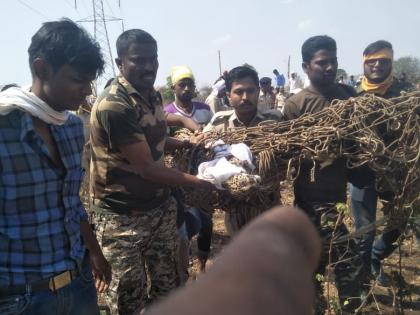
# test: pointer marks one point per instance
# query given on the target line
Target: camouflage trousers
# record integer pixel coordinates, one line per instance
(342, 257)
(143, 253)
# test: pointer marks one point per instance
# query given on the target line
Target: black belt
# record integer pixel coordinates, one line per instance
(144, 208)
(53, 284)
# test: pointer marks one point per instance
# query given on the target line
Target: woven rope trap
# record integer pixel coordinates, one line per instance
(367, 130)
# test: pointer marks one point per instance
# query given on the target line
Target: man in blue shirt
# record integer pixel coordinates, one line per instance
(44, 231)
(280, 80)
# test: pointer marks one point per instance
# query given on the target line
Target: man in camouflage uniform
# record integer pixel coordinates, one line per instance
(319, 188)
(242, 89)
(379, 80)
(135, 214)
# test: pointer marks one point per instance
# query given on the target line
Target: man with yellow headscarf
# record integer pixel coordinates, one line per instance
(377, 67)
(193, 220)
(378, 79)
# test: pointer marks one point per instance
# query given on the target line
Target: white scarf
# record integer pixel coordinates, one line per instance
(22, 99)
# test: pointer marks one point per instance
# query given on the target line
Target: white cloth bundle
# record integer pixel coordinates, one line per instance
(219, 170)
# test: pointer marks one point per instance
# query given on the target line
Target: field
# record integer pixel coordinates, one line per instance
(384, 299)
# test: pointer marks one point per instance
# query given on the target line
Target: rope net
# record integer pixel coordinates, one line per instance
(367, 130)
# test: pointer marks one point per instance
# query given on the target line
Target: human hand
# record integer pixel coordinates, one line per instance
(203, 184)
(101, 271)
(196, 138)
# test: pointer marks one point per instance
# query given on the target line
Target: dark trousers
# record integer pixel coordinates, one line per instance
(363, 205)
(201, 223)
(343, 256)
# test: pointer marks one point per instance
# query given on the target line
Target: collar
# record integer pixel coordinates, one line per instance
(234, 118)
(184, 112)
(131, 91)
(324, 94)
(127, 85)
(27, 125)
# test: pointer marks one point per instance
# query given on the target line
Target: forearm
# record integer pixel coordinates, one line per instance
(171, 177)
(89, 238)
(101, 269)
(142, 163)
(181, 121)
(173, 120)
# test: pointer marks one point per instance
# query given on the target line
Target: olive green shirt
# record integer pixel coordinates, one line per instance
(120, 117)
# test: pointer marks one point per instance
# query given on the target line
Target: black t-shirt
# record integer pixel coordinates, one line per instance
(329, 182)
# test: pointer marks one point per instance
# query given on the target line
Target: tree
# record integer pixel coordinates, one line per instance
(341, 72)
(166, 91)
(203, 93)
(408, 65)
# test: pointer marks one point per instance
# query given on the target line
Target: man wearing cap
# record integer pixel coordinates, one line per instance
(378, 80)
(267, 98)
(183, 85)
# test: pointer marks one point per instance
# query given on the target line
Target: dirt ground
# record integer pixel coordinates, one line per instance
(384, 298)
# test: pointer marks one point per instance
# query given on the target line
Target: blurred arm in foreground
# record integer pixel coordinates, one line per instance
(267, 269)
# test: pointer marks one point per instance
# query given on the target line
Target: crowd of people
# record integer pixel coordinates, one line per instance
(134, 245)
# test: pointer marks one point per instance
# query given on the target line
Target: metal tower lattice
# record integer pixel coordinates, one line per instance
(100, 32)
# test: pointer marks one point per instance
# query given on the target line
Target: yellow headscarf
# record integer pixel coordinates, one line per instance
(181, 72)
(378, 88)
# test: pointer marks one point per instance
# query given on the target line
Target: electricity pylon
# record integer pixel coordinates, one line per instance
(100, 32)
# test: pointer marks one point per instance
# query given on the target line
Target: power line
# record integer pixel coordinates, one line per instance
(109, 7)
(85, 6)
(32, 9)
(71, 5)
(100, 31)
(74, 7)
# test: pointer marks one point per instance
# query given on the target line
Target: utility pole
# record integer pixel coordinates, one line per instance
(288, 68)
(220, 63)
(100, 33)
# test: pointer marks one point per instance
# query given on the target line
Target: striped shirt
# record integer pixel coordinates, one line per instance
(201, 113)
(40, 207)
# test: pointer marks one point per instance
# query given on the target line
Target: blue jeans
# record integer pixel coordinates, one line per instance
(363, 205)
(201, 223)
(77, 298)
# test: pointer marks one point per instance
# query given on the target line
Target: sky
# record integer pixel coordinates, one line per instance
(262, 33)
